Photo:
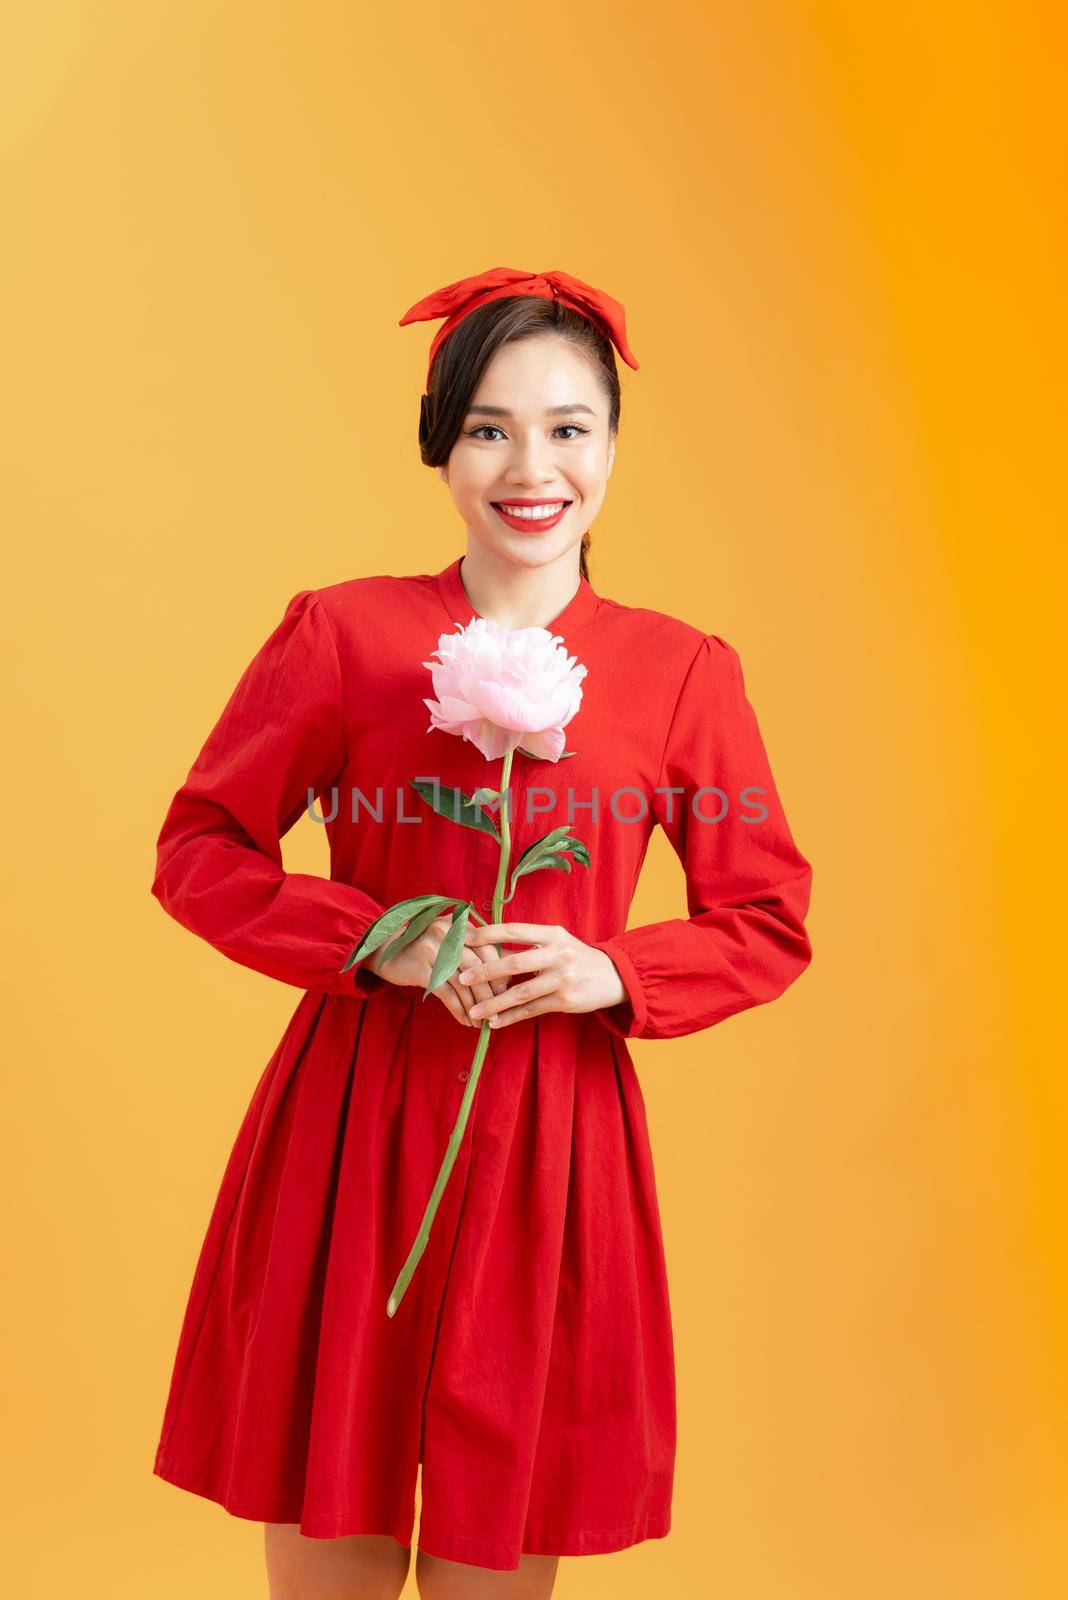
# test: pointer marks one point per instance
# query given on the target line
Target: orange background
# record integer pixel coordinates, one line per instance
(838, 231)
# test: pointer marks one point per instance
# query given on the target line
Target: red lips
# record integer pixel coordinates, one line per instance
(527, 524)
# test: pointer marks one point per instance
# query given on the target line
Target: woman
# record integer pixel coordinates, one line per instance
(529, 1369)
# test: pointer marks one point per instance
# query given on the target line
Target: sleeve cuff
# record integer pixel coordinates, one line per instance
(627, 1018)
(360, 980)
(364, 981)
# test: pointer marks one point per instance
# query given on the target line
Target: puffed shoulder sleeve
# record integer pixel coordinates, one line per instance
(747, 883)
(218, 856)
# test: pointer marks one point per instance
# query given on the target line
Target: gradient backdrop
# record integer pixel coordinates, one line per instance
(839, 233)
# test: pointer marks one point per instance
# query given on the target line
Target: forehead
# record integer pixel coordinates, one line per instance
(540, 374)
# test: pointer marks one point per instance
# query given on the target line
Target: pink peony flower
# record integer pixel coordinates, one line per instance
(503, 687)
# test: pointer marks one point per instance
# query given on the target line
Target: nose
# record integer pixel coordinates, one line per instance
(531, 463)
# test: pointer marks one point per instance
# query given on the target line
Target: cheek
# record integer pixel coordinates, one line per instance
(471, 474)
(589, 472)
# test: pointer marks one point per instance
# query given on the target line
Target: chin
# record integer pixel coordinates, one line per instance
(527, 550)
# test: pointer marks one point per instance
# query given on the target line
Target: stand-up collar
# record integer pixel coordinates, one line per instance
(579, 609)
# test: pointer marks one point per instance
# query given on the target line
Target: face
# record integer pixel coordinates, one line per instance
(536, 435)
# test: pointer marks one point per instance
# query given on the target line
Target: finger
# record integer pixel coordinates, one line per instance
(521, 1013)
(486, 968)
(453, 1003)
(514, 998)
(473, 983)
(477, 981)
(464, 997)
(477, 990)
(480, 987)
(512, 933)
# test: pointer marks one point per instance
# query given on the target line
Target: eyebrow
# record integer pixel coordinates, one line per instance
(502, 411)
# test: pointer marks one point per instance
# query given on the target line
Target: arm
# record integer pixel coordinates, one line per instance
(218, 857)
(747, 884)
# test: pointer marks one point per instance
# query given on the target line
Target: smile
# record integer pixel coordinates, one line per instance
(530, 513)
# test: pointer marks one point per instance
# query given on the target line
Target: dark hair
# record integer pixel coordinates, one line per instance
(465, 354)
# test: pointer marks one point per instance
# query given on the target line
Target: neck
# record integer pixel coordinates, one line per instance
(519, 596)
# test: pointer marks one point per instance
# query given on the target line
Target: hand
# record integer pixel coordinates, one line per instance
(414, 964)
(567, 974)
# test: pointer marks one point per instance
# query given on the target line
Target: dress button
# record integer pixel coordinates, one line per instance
(463, 1076)
(487, 904)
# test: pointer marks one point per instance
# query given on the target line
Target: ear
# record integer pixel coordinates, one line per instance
(611, 454)
(443, 474)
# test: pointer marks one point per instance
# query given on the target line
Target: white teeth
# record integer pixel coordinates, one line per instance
(534, 513)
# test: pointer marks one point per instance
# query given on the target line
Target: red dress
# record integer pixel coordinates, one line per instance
(530, 1364)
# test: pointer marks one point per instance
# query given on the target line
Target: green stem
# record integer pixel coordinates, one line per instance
(482, 1045)
(506, 838)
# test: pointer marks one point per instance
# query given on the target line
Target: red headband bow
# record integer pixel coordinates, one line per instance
(457, 299)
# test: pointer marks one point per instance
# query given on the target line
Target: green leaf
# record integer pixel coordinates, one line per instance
(549, 840)
(547, 859)
(412, 931)
(551, 852)
(385, 926)
(555, 835)
(457, 806)
(561, 757)
(450, 948)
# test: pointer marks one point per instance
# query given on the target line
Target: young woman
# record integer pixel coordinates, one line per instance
(529, 1369)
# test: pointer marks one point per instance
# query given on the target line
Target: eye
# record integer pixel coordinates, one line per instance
(491, 427)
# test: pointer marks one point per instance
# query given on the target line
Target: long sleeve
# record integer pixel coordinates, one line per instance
(747, 884)
(219, 865)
